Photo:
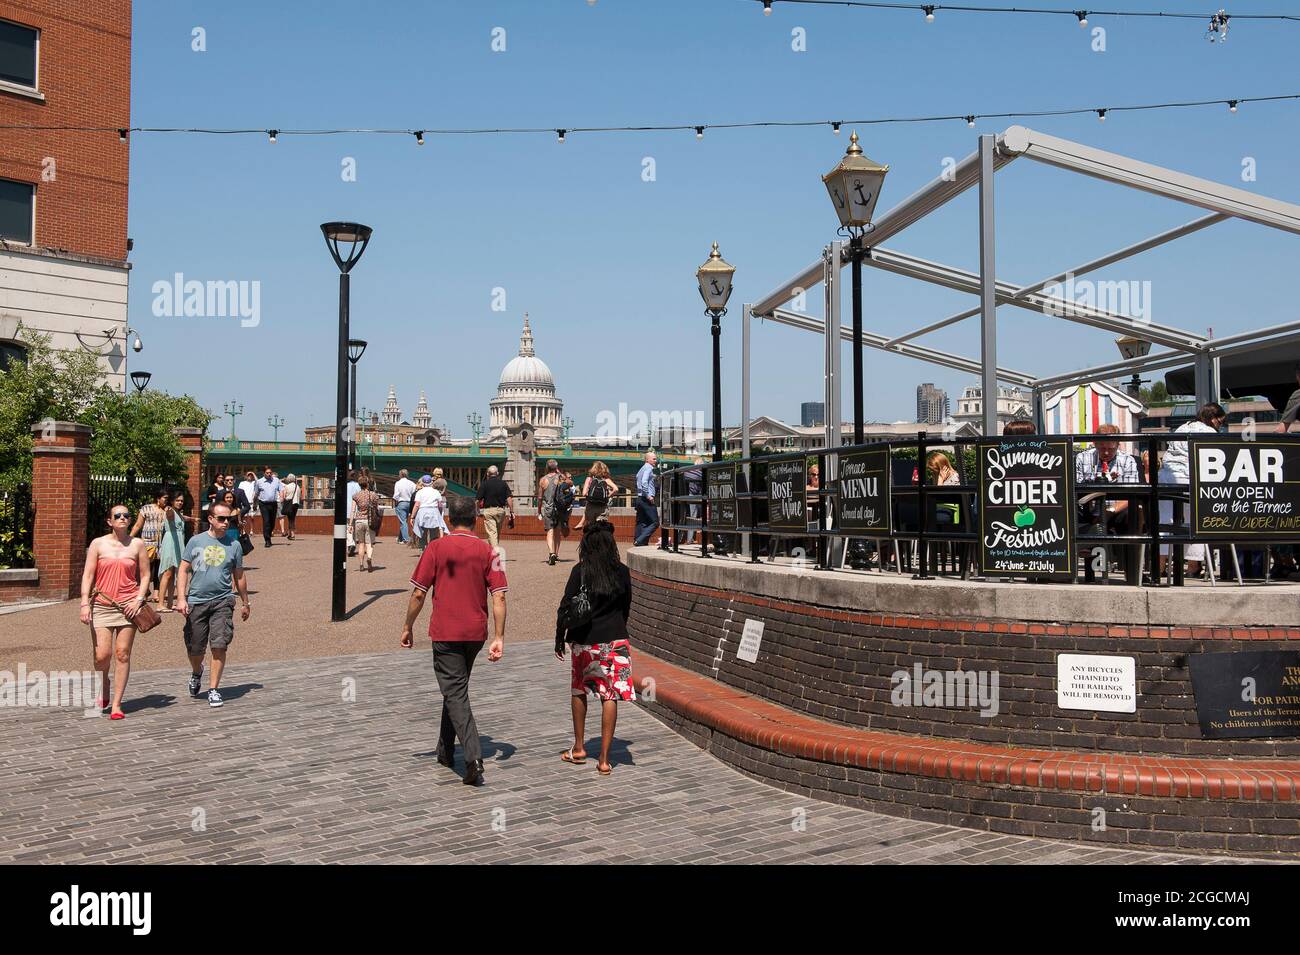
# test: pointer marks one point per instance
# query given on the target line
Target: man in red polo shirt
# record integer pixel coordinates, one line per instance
(460, 570)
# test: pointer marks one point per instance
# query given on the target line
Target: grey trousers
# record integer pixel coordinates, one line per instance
(452, 663)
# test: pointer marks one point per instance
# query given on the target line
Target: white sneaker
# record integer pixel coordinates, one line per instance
(214, 698)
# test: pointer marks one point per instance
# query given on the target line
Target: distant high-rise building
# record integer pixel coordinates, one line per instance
(931, 404)
(812, 414)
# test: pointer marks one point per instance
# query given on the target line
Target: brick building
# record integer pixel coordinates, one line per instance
(63, 193)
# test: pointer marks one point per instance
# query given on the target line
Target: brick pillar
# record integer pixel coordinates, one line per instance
(60, 492)
(192, 442)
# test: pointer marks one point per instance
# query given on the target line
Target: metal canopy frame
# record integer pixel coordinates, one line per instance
(978, 169)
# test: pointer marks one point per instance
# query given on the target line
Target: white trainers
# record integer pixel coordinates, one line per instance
(214, 698)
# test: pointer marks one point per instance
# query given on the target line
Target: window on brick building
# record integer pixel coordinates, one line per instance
(18, 46)
(12, 352)
(17, 204)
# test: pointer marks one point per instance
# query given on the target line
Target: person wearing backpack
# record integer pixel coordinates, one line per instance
(552, 510)
(598, 491)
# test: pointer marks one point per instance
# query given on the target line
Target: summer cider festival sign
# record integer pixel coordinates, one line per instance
(1025, 498)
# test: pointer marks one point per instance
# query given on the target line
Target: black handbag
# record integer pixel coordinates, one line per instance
(245, 543)
(581, 608)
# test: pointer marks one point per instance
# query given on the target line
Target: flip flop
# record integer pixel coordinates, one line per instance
(568, 757)
(117, 716)
(606, 771)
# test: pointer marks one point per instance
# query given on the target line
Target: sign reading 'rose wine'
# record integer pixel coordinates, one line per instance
(787, 506)
(1025, 501)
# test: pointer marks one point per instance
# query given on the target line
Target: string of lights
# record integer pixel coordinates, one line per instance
(1216, 30)
(420, 135)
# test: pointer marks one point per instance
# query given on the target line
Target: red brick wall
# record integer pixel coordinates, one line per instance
(84, 71)
(60, 488)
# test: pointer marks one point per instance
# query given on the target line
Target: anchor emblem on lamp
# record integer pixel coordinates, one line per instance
(858, 177)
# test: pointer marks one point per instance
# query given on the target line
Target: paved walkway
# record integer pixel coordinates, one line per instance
(288, 771)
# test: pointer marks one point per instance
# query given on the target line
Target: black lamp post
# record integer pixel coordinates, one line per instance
(714, 278)
(141, 380)
(854, 186)
(356, 348)
(346, 242)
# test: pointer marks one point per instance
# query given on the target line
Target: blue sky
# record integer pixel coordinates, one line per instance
(604, 261)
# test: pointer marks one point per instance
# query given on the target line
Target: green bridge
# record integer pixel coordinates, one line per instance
(462, 465)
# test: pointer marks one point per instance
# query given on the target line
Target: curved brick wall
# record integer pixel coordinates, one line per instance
(835, 662)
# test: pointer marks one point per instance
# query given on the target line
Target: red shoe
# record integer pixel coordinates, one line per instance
(117, 716)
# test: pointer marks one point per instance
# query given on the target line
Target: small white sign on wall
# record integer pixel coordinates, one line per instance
(1096, 682)
(750, 641)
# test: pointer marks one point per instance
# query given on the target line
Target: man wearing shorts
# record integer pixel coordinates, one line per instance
(554, 517)
(208, 569)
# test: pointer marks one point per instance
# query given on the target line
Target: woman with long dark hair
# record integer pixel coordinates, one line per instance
(602, 656)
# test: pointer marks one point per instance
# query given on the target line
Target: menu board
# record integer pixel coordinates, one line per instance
(864, 491)
(787, 495)
(720, 485)
(1247, 694)
(1026, 493)
(1246, 489)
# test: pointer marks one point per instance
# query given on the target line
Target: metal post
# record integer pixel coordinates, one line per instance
(855, 253)
(338, 606)
(831, 371)
(746, 316)
(988, 289)
(720, 542)
(1040, 424)
(352, 415)
(1207, 379)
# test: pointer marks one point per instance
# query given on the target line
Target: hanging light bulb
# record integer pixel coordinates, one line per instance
(272, 133)
(1232, 106)
(1101, 115)
(929, 12)
(419, 137)
(121, 135)
(1083, 17)
(699, 132)
(835, 128)
(767, 8)
(970, 121)
(560, 133)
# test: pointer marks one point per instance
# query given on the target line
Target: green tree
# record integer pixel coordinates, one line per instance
(50, 384)
(135, 431)
(1155, 395)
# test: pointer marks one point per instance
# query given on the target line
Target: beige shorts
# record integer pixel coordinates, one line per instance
(362, 533)
(108, 616)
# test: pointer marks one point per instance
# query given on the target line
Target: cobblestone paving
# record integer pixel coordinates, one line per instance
(289, 772)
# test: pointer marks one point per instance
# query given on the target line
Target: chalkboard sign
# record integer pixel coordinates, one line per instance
(1252, 693)
(787, 495)
(1246, 489)
(1025, 501)
(721, 485)
(864, 492)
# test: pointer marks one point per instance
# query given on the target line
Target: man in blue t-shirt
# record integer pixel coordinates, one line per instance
(210, 567)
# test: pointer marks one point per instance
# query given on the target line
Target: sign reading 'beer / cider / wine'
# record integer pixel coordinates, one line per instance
(1246, 489)
(864, 491)
(787, 490)
(1025, 500)
(721, 489)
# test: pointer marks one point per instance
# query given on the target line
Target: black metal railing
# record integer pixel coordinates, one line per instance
(105, 490)
(719, 502)
(16, 522)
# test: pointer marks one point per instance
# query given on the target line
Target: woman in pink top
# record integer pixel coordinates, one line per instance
(117, 571)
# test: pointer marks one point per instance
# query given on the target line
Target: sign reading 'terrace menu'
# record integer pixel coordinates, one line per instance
(864, 491)
(1025, 499)
(1246, 489)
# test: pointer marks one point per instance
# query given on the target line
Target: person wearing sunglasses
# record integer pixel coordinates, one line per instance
(211, 571)
(114, 586)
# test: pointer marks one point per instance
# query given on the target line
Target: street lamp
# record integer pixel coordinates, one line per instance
(714, 278)
(276, 423)
(356, 348)
(854, 187)
(141, 380)
(1132, 347)
(346, 242)
(234, 409)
